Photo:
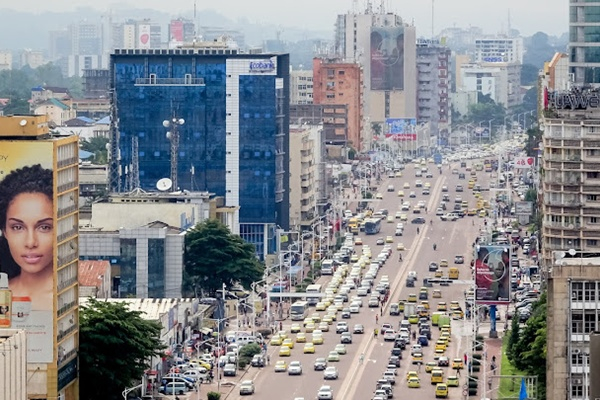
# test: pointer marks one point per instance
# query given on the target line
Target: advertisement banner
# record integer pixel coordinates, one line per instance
(176, 31)
(524, 162)
(523, 208)
(401, 128)
(492, 274)
(143, 37)
(27, 241)
(387, 58)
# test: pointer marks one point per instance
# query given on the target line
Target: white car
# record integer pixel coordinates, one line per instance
(389, 335)
(330, 373)
(247, 387)
(325, 393)
(295, 368)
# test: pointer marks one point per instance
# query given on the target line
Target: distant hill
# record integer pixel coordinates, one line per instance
(20, 30)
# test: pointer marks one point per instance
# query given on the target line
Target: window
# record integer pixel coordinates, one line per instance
(594, 220)
(330, 72)
(592, 242)
(593, 174)
(331, 95)
(589, 322)
(341, 72)
(577, 323)
(591, 197)
(577, 291)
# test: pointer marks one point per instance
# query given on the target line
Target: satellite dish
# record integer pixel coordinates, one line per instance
(572, 252)
(164, 184)
(23, 122)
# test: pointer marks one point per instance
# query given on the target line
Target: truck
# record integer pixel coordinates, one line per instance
(409, 308)
(443, 320)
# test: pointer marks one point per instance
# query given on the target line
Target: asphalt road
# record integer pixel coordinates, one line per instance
(357, 381)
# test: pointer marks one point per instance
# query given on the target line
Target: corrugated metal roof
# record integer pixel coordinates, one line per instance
(91, 272)
(151, 309)
(104, 121)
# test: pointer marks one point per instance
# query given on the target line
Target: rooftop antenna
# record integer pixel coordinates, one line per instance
(432, 19)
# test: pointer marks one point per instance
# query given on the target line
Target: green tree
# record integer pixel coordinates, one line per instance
(214, 256)
(513, 339)
(96, 145)
(115, 345)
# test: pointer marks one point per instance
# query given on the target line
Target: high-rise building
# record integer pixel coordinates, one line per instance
(6, 60)
(507, 50)
(227, 115)
(136, 34)
(433, 66)
(48, 167)
(86, 39)
(584, 27)
(336, 82)
(571, 230)
(385, 47)
(304, 163)
(181, 31)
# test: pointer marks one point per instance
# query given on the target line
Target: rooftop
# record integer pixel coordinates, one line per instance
(91, 272)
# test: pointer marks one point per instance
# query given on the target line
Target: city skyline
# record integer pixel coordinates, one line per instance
(459, 13)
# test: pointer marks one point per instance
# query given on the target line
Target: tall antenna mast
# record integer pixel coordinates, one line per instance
(432, 19)
(135, 164)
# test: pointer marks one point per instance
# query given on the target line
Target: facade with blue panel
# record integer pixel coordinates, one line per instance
(235, 139)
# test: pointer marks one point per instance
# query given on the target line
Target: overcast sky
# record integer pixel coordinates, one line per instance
(528, 16)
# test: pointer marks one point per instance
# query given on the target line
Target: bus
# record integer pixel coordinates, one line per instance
(316, 288)
(372, 226)
(299, 310)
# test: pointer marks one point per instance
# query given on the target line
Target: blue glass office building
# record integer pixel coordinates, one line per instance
(235, 139)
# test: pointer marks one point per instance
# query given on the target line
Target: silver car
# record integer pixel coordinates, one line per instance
(325, 393)
(247, 387)
(295, 368)
(330, 373)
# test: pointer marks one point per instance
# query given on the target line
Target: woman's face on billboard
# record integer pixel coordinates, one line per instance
(29, 231)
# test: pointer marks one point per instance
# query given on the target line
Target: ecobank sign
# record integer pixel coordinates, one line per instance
(261, 66)
(575, 101)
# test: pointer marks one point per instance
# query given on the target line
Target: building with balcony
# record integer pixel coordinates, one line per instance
(13, 364)
(433, 72)
(337, 82)
(234, 140)
(499, 80)
(499, 49)
(304, 168)
(571, 234)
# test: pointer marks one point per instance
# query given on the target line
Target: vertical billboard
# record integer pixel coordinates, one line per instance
(401, 128)
(176, 31)
(143, 37)
(387, 58)
(492, 274)
(27, 241)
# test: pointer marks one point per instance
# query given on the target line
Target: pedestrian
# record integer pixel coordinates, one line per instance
(489, 382)
(418, 230)
(399, 256)
(458, 372)
(361, 358)
(268, 359)
(280, 325)
(376, 318)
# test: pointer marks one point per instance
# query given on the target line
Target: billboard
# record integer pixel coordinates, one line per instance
(524, 162)
(387, 58)
(401, 128)
(176, 31)
(523, 208)
(27, 241)
(492, 274)
(143, 37)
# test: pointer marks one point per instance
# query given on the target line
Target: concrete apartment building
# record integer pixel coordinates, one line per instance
(301, 87)
(499, 49)
(584, 27)
(336, 82)
(385, 47)
(13, 364)
(434, 80)
(571, 236)
(304, 174)
(500, 80)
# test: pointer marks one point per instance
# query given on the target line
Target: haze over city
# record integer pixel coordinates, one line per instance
(529, 17)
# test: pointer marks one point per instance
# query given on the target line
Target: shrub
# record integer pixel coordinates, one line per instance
(213, 396)
(243, 362)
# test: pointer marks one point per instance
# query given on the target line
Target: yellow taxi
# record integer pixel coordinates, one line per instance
(440, 345)
(441, 390)
(438, 353)
(452, 381)
(301, 337)
(445, 328)
(400, 247)
(412, 298)
(413, 382)
(439, 273)
(442, 306)
(285, 351)
(309, 348)
(457, 314)
(358, 241)
(308, 320)
(401, 304)
(412, 374)
(310, 327)
(457, 363)
(417, 358)
(398, 174)
(276, 340)
(413, 318)
(425, 304)
(472, 212)
(406, 185)
(280, 366)
(295, 328)
(317, 338)
(354, 258)
(430, 365)
(454, 305)
(437, 293)
(482, 214)
(400, 193)
(437, 376)
(427, 184)
(378, 196)
(443, 262)
(389, 239)
(288, 342)
(445, 336)
(316, 317)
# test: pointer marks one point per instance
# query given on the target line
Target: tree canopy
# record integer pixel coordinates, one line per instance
(214, 256)
(96, 145)
(115, 345)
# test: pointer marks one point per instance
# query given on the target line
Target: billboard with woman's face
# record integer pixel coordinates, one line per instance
(387, 58)
(27, 241)
(492, 274)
